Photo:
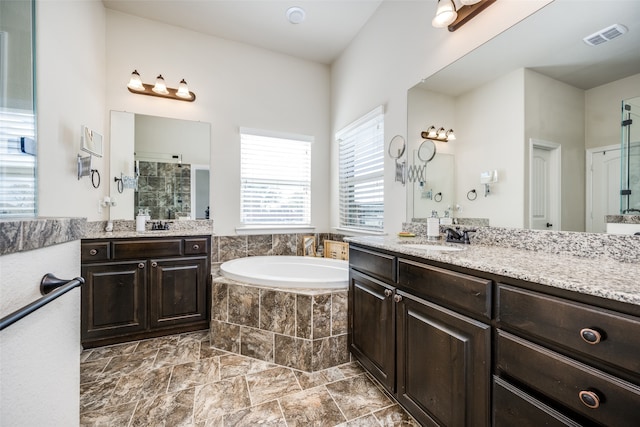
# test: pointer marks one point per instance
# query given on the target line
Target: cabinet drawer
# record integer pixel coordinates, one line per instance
(513, 407)
(613, 402)
(374, 263)
(152, 248)
(95, 251)
(458, 290)
(195, 246)
(565, 322)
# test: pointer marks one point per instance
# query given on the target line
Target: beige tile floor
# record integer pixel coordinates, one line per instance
(180, 380)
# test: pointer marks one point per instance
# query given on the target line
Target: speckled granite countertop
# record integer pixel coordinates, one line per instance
(123, 229)
(599, 277)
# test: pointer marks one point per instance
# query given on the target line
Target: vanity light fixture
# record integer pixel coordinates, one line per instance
(452, 17)
(160, 89)
(438, 134)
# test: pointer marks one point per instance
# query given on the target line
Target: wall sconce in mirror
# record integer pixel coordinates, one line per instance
(487, 178)
(455, 13)
(397, 147)
(438, 134)
(160, 89)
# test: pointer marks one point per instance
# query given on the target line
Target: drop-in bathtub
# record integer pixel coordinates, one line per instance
(287, 310)
(289, 272)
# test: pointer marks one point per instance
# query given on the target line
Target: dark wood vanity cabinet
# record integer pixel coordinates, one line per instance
(456, 348)
(139, 288)
(434, 360)
(583, 361)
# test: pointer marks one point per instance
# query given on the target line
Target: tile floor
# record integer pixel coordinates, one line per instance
(179, 380)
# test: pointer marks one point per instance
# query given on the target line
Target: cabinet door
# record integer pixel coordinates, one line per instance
(113, 299)
(443, 364)
(178, 291)
(372, 326)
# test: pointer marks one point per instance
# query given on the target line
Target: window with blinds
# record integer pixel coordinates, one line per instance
(361, 172)
(17, 164)
(275, 176)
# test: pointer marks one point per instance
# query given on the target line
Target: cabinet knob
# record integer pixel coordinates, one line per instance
(141, 265)
(590, 335)
(397, 298)
(154, 264)
(589, 398)
(388, 292)
(93, 252)
(196, 247)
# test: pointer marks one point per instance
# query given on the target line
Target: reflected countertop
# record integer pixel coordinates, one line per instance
(600, 277)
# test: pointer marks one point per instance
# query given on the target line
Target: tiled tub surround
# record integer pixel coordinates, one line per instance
(305, 330)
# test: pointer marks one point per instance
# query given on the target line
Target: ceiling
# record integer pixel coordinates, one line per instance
(328, 28)
(550, 42)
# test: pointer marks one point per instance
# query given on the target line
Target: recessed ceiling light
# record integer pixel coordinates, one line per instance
(295, 14)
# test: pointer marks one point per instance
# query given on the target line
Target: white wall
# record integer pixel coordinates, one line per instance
(236, 85)
(603, 110)
(396, 49)
(40, 354)
(555, 112)
(70, 87)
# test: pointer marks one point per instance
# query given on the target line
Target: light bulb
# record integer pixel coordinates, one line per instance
(445, 14)
(183, 90)
(135, 82)
(160, 86)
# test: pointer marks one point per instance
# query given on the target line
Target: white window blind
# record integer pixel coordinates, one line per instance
(17, 169)
(361, 172)
(275, 174)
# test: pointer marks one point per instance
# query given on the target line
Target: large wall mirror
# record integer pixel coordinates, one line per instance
(159, 165)
(539, 106)
(17, 110)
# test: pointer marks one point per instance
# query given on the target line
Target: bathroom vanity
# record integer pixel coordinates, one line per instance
(142, 287)
(497, 336)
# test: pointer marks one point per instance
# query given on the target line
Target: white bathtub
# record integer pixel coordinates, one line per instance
(289, 272)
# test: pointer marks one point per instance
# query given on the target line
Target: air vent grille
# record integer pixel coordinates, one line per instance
(605, 35)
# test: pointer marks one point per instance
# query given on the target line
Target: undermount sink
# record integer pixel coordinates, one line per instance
(426, 247)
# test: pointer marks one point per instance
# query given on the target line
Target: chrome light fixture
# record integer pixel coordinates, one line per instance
(452, 17)
(439, 134)
(160, 88)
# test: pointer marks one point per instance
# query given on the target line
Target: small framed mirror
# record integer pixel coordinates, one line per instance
(427, 150)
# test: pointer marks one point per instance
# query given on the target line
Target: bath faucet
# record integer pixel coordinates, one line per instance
(455, 236)
(630, 210)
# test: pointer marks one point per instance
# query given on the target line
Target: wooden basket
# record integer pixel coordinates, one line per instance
(336, 250)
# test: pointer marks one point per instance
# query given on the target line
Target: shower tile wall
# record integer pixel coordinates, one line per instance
(164, 188)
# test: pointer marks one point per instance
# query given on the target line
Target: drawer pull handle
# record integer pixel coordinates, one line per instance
(93, 252)
(590, 336)
(397, 298)
(141, 265)
(589, 398)
(388, 292)
(154, 264)
(196, 247)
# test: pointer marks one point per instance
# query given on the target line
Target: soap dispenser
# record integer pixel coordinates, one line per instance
(140, 221)
(433, 226)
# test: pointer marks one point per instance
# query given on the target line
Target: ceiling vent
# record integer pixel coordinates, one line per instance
(605, 35)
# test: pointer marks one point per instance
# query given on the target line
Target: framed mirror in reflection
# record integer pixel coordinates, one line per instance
(532, 104)
(165, 165)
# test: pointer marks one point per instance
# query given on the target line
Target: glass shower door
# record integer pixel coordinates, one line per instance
(630, 157)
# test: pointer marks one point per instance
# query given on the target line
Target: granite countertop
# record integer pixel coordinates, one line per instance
(123, 234)
(126, 229)
(600, 277)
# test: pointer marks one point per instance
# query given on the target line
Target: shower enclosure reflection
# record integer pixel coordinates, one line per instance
(630, 157)
(170, 160)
